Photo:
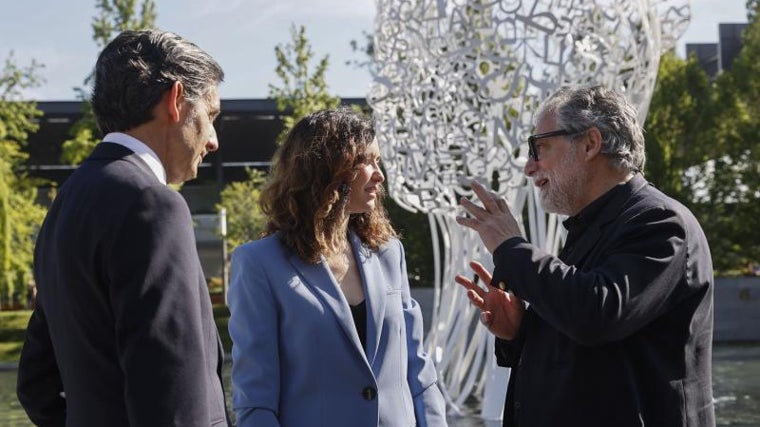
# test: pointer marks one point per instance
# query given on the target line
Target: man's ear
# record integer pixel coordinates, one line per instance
(174, 101)
(592, 144)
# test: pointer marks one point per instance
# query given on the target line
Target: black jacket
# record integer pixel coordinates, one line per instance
(619, 327)
(123, 323)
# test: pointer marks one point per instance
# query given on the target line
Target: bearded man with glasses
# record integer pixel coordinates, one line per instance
(616, 330)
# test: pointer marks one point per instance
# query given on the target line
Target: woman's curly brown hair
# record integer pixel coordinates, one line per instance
(310, 181)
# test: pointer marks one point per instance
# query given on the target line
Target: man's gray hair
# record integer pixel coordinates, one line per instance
(577, 109)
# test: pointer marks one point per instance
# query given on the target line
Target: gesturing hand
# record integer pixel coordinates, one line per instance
(501, 312)
(493, 222)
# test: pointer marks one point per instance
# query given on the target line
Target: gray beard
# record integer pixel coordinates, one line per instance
(566, 184)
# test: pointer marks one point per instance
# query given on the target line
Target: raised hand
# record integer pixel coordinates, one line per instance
(493, 222)
(501, 312)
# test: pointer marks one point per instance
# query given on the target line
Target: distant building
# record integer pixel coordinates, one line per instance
(716, 57)
(707, 57)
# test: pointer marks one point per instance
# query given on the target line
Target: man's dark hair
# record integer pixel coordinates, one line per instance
(135, 70)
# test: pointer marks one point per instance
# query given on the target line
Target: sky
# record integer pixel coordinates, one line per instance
(241, 35)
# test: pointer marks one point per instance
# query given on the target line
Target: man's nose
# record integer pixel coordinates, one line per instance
(530, 166)
(213, 141)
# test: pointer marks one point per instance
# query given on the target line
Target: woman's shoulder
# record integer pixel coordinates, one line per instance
(266, 246)
(393, 248)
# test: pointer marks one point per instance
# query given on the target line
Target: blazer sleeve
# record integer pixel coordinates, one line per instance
(640, 278)
(39, 386)
(154, 290)
(253, 327)
(429, 406)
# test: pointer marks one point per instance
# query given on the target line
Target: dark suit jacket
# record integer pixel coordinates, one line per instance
(123, 323)
(619, 330)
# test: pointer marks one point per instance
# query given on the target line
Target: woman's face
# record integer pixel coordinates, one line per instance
(367, 184)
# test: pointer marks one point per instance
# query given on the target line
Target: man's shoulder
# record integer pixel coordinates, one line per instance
(650, 205)
(650, 197)
(115, 173)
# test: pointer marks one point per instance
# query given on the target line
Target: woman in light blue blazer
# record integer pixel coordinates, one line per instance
(324, 330)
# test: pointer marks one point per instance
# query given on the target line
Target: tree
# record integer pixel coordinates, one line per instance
(114, 16)
(730, 204)
(20, 215)
(752, 8)
(241, 199)
(702, 148)
(679, 125)
(302, 91)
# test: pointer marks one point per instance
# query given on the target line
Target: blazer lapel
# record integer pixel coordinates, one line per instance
(320, 279)
(374, 293)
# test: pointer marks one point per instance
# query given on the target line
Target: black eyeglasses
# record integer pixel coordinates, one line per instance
(532, 152)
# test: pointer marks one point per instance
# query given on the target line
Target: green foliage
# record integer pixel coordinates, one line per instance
(702, 148)
(114, 16)
(245, 221)
(752, 8)
(680, 124)
(12, 328)
(302, 92)
(20, 216)
(414, 229)
(84, 138)
(731, 207)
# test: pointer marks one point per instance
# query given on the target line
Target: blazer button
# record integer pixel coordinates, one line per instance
(369, 393)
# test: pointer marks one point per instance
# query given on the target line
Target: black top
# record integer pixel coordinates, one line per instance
(576, 225)
(359, 313)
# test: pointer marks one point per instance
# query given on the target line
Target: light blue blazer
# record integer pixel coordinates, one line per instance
(297, 358)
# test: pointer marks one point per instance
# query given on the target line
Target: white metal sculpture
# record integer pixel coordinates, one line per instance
(456, 86)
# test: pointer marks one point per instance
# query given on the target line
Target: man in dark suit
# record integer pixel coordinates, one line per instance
(123, 332)
(618, 328)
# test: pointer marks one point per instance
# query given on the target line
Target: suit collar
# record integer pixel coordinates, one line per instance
(112, 151)
(142, 150)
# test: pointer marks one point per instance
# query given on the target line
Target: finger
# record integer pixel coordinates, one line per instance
(500, 286)
(468, 222)
(503, 206)
(513, 299)
(476, 300)
(470, 285)
(473, 209)
(488, 198)
(481, 271)
(486, 318)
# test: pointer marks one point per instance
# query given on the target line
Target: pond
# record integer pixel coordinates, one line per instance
(736, 387)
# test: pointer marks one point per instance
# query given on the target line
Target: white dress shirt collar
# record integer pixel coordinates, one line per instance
(143, 151)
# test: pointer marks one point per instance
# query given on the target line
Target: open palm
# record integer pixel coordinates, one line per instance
(501, 312)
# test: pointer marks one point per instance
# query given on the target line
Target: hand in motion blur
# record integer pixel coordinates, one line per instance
(500, 311)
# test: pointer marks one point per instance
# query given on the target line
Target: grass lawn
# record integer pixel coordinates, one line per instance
(13, 324)
(12, 327)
